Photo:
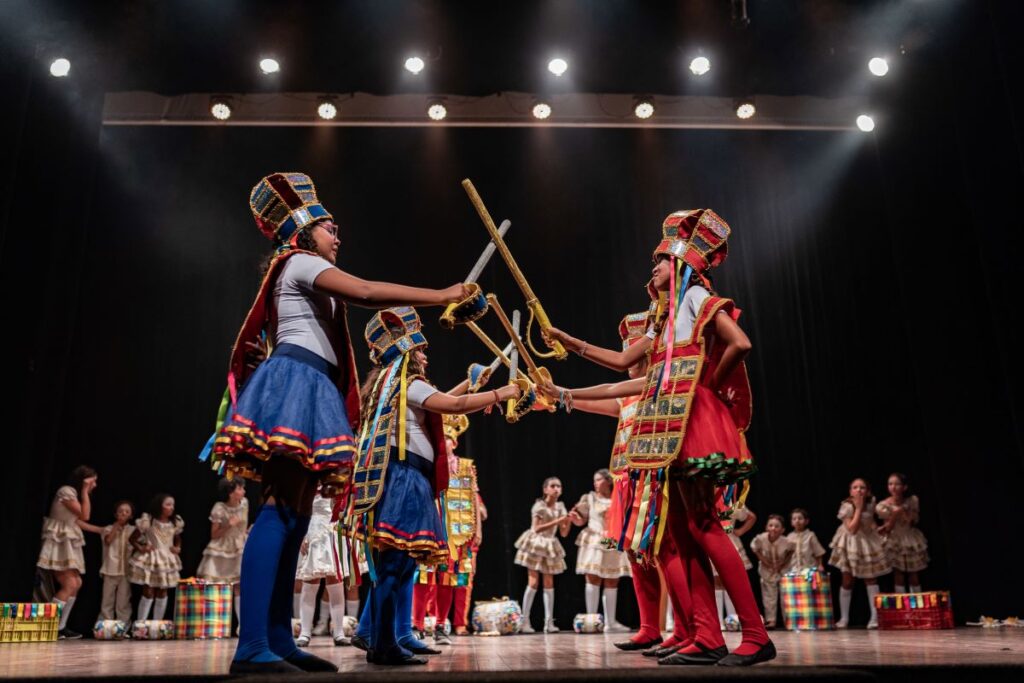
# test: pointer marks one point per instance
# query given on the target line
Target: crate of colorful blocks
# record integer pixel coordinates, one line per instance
(806, 600)
(202, 609)
(28, 622)
(914, 611)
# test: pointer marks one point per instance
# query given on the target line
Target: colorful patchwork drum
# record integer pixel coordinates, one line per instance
(202, 609)
(153, 629)
(588, 623)
(914, 611)
(110, 629)
(807, 600)
(499, 616)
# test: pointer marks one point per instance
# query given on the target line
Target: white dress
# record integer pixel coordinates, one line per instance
(540, 550)
(860, 554)
(321, 560)
(905, 546)
(222, 558)
(159, 568)
(62, 537)
(594, 555)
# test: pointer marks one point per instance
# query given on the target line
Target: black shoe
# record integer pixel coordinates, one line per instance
(308, 662)
(68, 634)
(393, 657)
(766, 653)
(278, 666)
(360, 644)
(631, 646)
(705, 657)
(660, 652)
(425, 650)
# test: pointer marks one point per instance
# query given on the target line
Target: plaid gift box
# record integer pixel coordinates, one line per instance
(913, 611)
(202, 609)
(807, 600)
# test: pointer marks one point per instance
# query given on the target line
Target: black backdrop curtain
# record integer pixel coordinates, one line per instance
(877, 276)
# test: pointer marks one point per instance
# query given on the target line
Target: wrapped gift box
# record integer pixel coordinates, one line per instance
(502, 616)
(913, 611)
(109, 629)
(153, 629)
(806, 600)
(588, 623)
(202, 609)
(29, 622)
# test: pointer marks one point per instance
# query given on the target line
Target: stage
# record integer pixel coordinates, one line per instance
(855, 654)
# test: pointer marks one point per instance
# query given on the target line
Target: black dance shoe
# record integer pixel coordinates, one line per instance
(394, 657)
(278, 666)
(68, 634)
(765, 654)
(632, 646)
(660, 652)
(360, 644)
(309, 662)
(705, 657)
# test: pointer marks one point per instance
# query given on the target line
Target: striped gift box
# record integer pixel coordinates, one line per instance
(202, 609)
(807, 600)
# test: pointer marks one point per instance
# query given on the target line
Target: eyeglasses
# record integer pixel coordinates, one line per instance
(332, 231)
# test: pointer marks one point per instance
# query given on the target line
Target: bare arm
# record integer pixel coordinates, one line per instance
(109, 536)
(564, 525)
(737, 347)
(746, 525)
(544, 526)
(469, 403)
(371, 294)
(615, 360)
(91, 528)
(629, 387)
(853, 524)
(217, 530)
(607, 406)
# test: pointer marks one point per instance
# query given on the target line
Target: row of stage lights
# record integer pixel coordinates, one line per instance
(220, 108)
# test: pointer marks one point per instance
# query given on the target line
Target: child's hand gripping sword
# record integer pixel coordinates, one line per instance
(474, 306)
(536, 310)
(538, 375)
(516, 408)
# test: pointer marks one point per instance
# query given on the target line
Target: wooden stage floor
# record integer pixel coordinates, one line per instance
(542, 654)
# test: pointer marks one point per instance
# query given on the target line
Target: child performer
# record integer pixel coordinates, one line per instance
(541, 553)
(857, 550)
(321, 558)
(594, 560)
(746, 518)
(117, 593)
(156, 563)
(229, 522)
(646, 581)
(401, 468)
(63, 539)
(694, 408)
(808, 553)
(905, 545)
(289, 422)
(774, 552)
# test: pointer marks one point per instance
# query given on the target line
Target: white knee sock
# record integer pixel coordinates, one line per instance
(730, 609)
(238, 608)
(144, 605)
(65, 611)
(352, 608)
(528, 595)
(611, 596)
(872, 592)
(670, 621)
(336, 593)
(720, 604)
(307, 606)
(915, 589)
(591, 593)
(159, 608)
(845, 595)
(296, 602)
(549, 604)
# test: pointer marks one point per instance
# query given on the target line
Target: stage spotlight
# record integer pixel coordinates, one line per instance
(700, 66)
(558, 66)
(414, 65)
(437, 111)
(746, 110)
(644, 108)
(865, 123)
(878, 66)
(269, 66)
(541, 110)
(60, 68)
(326, 110)
(220, 108)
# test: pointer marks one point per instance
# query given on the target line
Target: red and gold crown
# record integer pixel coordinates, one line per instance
(284, 203)
(632, 328)
(698, 236)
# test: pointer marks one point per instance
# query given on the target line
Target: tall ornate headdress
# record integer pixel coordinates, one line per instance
(284, 203)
